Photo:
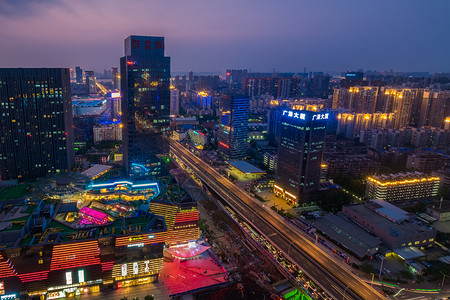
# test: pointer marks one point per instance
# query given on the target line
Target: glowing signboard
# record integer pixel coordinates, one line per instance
(320, 117)
(81, 276)
(302, 116)
(68, 278)
(137, 245)
(9, 297)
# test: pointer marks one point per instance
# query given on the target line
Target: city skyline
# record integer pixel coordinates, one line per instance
(211, 37)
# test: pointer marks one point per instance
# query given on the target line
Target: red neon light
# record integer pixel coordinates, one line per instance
(201, 133)
(186, 217)
(27, 277)
(224, 145)
(6, 269)
(106, 266)
(130, 63)
(228, 74)
(75, 255)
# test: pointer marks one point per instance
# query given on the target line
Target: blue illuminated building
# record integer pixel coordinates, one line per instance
(145, 83)
(203, 100)
(300, 154)
(232, 137)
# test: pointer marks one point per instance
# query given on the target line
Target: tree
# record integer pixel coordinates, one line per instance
(149, 297)
(332, 201)
(368, 268)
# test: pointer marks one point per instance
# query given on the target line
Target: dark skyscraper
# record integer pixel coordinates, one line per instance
(145, 83)
(300, 154)
(36, 133)
(115, 78)
(91, 82)
(233, 129)
(79, 75)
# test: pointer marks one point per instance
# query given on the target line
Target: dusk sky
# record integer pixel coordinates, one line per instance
(211, 35)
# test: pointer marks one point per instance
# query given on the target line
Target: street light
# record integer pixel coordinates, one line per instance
(443, 278)
(381, 267)
(289, 249)
(343, 295)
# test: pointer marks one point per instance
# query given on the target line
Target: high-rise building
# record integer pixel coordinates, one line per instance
(203, 100)
(274, 124)
(232, 136)
(36, 135)
(236, 76)
(353, 79)
(145, 90)
(356, 99)
(174, 101)
(79, 75)
(115, 78)
(434, 108)
(184, 83)
(91, 82)
(300, 154)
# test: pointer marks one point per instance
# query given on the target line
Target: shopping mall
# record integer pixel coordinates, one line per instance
(51, 249)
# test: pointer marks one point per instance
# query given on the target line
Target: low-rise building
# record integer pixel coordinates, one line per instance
(402, 186)
(198, 137)
(244, 171)
(348, 235)
(394, 226)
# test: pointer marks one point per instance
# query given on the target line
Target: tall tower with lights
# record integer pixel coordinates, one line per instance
(145, 90)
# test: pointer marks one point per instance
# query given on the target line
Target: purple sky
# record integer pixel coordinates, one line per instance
(212, 35)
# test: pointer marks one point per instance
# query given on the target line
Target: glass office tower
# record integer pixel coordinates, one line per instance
(145, 89)
(232, 136)
(300, 155)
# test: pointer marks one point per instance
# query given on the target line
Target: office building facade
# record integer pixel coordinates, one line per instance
(91, 82)
(300, 155)
(115, 78)
(233, 130)
(174, 101)
(79, 75)
(36, 135)
(145, 90)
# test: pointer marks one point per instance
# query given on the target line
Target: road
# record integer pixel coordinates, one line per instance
(327, 273)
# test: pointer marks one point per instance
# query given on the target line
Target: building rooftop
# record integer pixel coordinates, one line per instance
(87, 102)
(405, 228)
(389, 211)
(347, 234)
(184, 277)
(245, 167)
(408, 253)
(95, 170)
(406, 177)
